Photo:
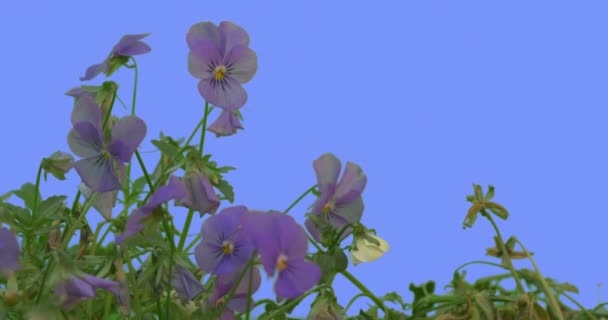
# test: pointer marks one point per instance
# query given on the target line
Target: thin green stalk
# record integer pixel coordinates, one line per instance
(182, 239)
(70, 232)
(192, 243)
(37, 192)
(249, 294)
(481, 262)
(202, 142)
(134, 99)
(109, 113)
(143, 168)
(133, 282)
(299, 198)
(238, 281)
(295, 302)
(551, 301)
(365, 290)
(503, 249)
(352, 300)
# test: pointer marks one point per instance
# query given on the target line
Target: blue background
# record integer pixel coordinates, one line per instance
(427, 97)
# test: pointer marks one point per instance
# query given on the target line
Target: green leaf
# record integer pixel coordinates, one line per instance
(26, 193)
(226, 189)
(52, 205)
(497, 209)
(490, 193)
(395, 298)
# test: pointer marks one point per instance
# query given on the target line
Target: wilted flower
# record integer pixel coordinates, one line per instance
(224, 246)
(221, 58)
(9, 253)
(173, 190)
(185, 284)
(75, 289)
(129, 45)
(283, 245)
(199, 193)
(226, 124)
(58, 164)
(366, 250)
(238, 302)
(102, 166)
(325, 307)
(340, 202)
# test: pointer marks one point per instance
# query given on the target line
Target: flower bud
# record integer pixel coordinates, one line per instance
(366, 250)
(58, 164)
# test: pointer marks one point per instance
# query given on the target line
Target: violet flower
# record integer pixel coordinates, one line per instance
(104, 202)
(224, 246)
(238, 302)
(341, 202)
(75, 289)
(9, 253)
(128, 46)
(283, 245)
(102, 166)
(173, 190)
(226, 124)
(221, 58)
(199, 194)
(185, 284)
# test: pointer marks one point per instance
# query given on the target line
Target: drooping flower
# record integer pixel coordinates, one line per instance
(221, 58)
(340, 202)
(367, 251)
(9, 253)
(128, 46)
(224, 246)
(238, 302)
(283, 245)
(185, 284)
(199, 193)
(102, 165)
(77, 288)
(226, 124)
(58, 164)
(173, 190)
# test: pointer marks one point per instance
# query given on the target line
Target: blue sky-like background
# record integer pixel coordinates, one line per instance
(427, 97)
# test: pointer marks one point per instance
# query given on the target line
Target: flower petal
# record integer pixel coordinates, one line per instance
(9, 252)
(86, 110)
(228, 95)
(129, 45)
(199, 195)
(351, 185)
(99, 174)
(186, 285)
(350, 212)
(104, 202)
(202, 32)
(327, 168)
(232, 36)
(297, 278)
(85, 140)
(242, 63)
(93, 71)
(127, 134)
(202, 58)
(226, 124)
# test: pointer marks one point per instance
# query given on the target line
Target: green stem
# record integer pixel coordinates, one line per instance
(353, 300)
(551, 301)
(192, 243)
(184, 235)
(70, 231)
(202, 142)
(37, 192)
(249, 294)
(481, 262)
(503, 249)
(365, 290)
(133, 282)
(143, 168)
(299, 198)
(238, 281)
(294, 302)
(109, 113)
(134, 99)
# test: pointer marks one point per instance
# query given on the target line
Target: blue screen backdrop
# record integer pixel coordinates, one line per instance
(427, 97)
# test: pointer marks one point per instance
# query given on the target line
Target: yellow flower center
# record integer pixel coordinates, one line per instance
(228, 247)
(219, 73)
(329, 207)
(218, 302)
(282, 262)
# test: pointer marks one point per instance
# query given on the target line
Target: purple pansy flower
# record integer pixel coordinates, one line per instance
(283, 245)
(9, 252)
(199, 193)
(226, 124)
(221, 58)
(238, 302)
(102, 166)
(104, 202)
(75, 289)
(341, 202)
(128, 46)
(224, 246)
(185, 284)
(173, 190)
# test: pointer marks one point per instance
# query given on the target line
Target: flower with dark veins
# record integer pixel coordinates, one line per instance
(102, 165)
